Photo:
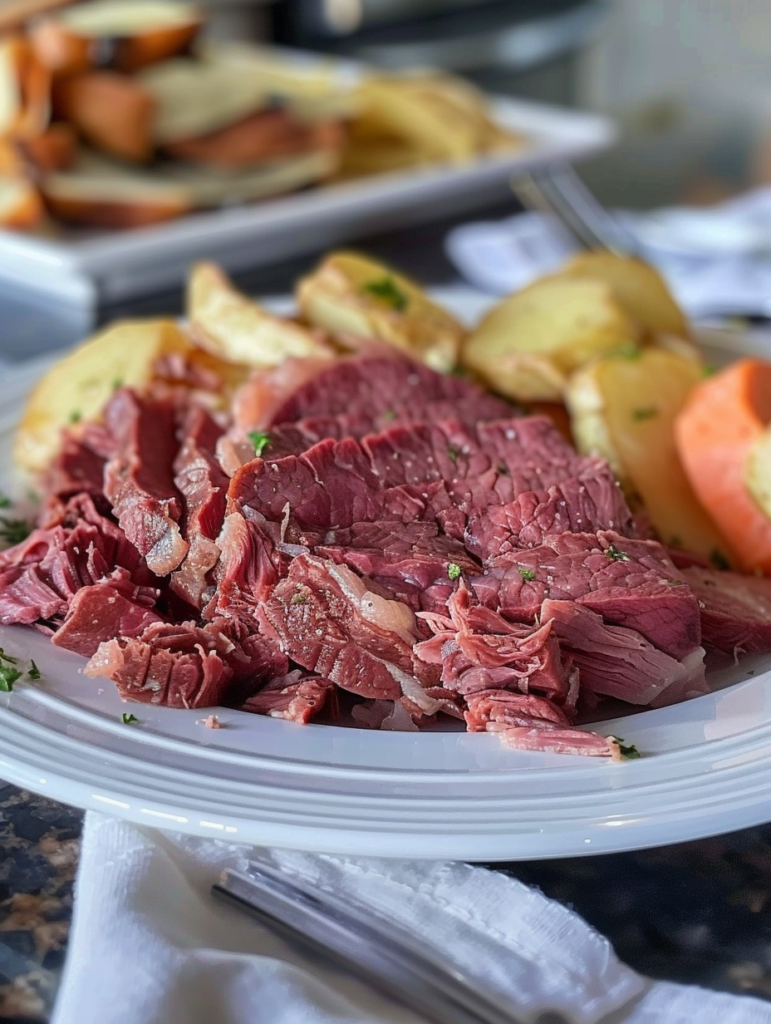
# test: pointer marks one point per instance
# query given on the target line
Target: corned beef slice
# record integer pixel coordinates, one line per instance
(114, 607)
(296, 698)
(735, 610)
(189, 666)
(326, 619)
(203, 485)
(139, 480)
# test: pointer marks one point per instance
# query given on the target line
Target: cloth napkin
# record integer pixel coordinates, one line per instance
(717, 260)
(150, 946)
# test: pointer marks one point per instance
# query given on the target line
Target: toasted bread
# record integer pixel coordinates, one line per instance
(112, 111)
(124, 36)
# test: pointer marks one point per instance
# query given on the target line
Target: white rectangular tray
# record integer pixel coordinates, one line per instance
(83, 268)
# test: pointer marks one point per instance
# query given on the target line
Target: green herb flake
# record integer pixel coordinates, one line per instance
(453, 453)
(260, 440)
(14, 531)
(8, 676)
(128, 719)
(117, 383)
(388, 292)
(7, 658)
(708, 370)
(34, 671)
(628, 751)
(76, 416)
(5, 501)
(453, 571)
(615, 555)
(629, 351)
(648, 413)
(299, 599)
(389, 415)
(528, 575)
(719, 560)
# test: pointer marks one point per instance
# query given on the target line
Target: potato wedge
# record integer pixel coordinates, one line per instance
(230, 325)
(355, 297)
(757, 471)
(528, 345)
(77, 388)
(624, 409)
(637, 287)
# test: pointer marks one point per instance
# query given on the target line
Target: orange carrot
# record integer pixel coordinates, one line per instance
(721, 420)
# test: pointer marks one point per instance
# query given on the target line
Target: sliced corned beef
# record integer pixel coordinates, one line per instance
(203, 486)
(248, 569)
(629, 582)
(79, 466)
(618, 662)
(326, 619)
(735, 610)
(114, 607)
(139, 479)
(189, 666)
(297, 698)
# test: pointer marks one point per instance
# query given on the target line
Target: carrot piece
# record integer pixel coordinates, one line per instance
(722, 419)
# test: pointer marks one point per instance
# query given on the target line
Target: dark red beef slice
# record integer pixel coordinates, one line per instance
(102, 611)
(139, 480)
(735, 610)
(189, 666)
(79, 466)
(247, 571)
(203, 486)
(628, 582)
(618, 662)
(380, 385)
(296, 700)
(319, 623)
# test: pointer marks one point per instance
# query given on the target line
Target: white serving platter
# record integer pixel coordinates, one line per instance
(706, 767)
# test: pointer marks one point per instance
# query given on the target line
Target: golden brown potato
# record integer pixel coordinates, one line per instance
(20, 203)
(236, 329)
(76, 389)
(624, 409)
(356, 298)
(529, 344)
(112, 111)
(637, 287)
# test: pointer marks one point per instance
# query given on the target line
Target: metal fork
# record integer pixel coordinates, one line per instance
(369, 946)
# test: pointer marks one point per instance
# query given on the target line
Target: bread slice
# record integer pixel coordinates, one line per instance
(121, 34)
(112, 111)
(269, 134)
(101, 193)
(20, 203)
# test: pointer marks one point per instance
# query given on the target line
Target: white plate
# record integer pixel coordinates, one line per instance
(85, 267)
(706, 769)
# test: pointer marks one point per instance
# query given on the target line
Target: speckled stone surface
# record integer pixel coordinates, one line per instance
(699, 912)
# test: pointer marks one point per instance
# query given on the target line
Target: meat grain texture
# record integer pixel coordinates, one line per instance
(405, 546)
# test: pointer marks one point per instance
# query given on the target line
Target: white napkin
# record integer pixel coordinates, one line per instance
(717, 260)
(149, 945)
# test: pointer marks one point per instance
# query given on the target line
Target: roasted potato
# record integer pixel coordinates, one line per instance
(529, 344)
(355, 298)
(20, 203)
(637, 287)
(624, 409)
(236, 329)
(76, 388)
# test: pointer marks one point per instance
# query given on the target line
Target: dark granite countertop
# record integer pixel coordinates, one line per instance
(698, 912)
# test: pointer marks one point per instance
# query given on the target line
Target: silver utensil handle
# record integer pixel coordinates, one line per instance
(372, 948)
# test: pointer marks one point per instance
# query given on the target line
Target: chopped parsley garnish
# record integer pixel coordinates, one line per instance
(675, 583)
(299, 599)
(260, 440)
(453, 453)
(128, 719)
(719, 560)
(117, 383)
(7, 658)
(5, 501)
(388, 292)
(628, 751)
(76, 416)
(14, 531)
(629, 351)
(647, 413)
(615, 555)
(502, 469)
(453, 571)
(709, 370)
(389, 414)
(8, 676)
(528, 575)
(34, 671)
